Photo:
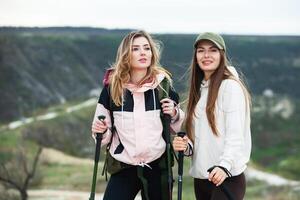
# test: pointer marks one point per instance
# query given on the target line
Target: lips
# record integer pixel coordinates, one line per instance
(143, 60)
(206, 62)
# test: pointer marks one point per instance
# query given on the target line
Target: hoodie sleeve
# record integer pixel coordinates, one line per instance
(177, 121)
(102, 108)
(234, 108)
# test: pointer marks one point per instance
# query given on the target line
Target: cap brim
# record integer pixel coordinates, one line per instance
(217, 44)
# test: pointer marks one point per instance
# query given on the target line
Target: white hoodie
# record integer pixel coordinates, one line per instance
(231, 149)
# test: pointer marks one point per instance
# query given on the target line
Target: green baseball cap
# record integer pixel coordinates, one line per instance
(213, 37)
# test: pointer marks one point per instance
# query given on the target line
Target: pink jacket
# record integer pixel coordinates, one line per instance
(138, 138)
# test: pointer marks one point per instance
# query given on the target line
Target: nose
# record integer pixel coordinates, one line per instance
(142, 52)
(206, 54)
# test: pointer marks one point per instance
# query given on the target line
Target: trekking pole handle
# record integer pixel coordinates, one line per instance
(181, 134)
(180, 154)
(98, 140)
(99, 135)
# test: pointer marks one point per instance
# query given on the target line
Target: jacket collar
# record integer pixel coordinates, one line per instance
(152, 84)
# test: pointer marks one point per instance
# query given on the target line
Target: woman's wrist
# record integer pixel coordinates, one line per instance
(175, 117)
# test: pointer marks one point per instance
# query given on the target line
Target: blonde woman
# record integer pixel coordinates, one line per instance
(218, 123)
(131, 98)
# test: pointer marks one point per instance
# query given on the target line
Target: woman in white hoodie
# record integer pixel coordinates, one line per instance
(218, 123)
(130, 101)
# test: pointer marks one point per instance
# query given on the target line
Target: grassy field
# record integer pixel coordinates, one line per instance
(78, 178)
(69, 133)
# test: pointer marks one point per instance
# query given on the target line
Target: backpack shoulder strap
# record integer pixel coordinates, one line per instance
(163, 90)
(104, 170)
(106, 84)
(106, 76)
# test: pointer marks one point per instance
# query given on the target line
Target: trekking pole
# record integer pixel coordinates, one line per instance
(97, 157)
(166, 128)
(224, 189)
(180, 168)
(166, 121)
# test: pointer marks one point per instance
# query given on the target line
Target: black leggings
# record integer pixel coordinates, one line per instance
(126, 184)
(206, 190)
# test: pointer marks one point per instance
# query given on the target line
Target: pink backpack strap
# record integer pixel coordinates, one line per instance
(106, 76)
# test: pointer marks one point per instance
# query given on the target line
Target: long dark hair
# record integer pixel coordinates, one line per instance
(196, 78)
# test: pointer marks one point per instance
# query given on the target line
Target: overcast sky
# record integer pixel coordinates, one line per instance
(263, 17)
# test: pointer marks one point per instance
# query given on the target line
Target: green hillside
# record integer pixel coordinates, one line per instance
(40, 67)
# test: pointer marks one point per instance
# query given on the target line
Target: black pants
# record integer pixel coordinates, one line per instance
(206, 190)
(126, 184)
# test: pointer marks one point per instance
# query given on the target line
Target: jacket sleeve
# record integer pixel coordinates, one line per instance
(234, 106)
(102, 108)
(177, 121)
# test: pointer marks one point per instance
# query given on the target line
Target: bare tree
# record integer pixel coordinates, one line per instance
(18, 174)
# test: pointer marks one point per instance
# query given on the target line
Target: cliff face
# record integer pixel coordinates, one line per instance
(39, 70)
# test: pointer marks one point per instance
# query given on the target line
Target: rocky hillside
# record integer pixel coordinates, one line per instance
(40, 67)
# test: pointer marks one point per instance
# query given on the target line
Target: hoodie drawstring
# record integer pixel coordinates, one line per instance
(122, 108)
(142, 164)
(154, 102)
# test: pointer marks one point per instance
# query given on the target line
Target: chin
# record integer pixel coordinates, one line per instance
(145, 65)
(141, 67)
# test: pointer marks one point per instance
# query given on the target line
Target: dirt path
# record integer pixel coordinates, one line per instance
(62, 195)
(51, 115)
(271, 179)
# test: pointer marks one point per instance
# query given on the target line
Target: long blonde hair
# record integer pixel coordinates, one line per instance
(196, 77)
(121, 68)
